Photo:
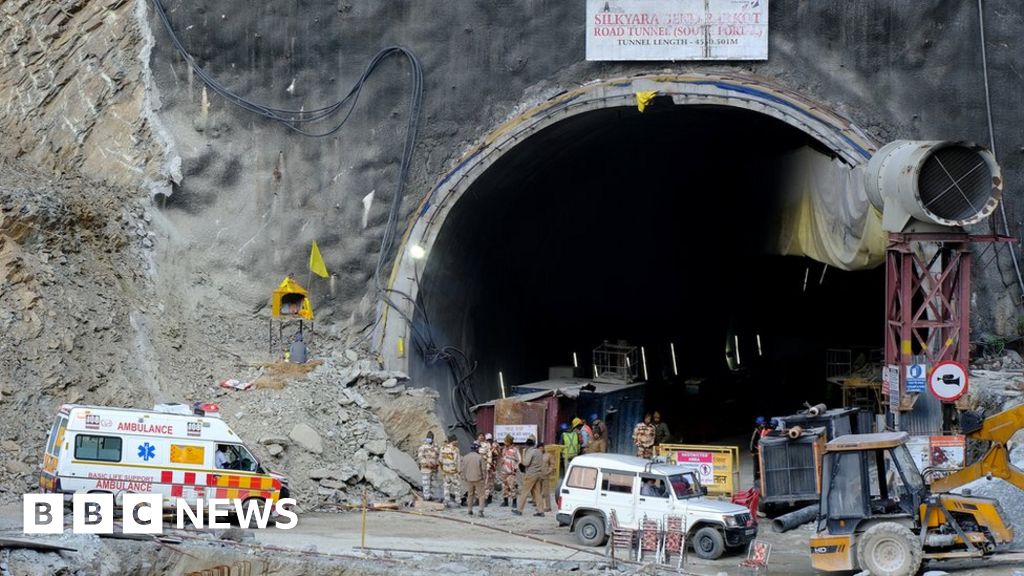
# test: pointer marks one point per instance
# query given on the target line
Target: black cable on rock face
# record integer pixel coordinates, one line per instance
(459, 365)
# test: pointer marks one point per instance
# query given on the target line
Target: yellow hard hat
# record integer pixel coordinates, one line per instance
(576, 422)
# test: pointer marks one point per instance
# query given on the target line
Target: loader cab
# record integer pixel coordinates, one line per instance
(866, 477)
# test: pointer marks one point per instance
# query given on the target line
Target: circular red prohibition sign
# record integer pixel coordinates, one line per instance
(948, 381)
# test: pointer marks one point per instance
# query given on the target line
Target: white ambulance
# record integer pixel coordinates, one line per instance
(172, 452)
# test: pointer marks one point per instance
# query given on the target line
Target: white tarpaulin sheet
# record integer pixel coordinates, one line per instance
(826, 214)
(677, 29)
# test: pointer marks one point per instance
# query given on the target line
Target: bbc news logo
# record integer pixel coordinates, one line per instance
(143, 513)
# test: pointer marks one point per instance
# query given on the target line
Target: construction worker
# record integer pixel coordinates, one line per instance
(545, 483)
(661, 433)
(427, 458)
(643, 437)
(761, 428)
(599, 443)
(585, 432)
(533, 467)
(508, 470)
(486, 449)
(474, 472)
(496, 449)
(570, 445)
(450, 460)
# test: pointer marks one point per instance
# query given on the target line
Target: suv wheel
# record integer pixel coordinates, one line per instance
(590, 530)
(708, 543)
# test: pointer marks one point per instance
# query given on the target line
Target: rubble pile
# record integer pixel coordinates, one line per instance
(1007, 360)
(85, 322)
(997, 384)
(325, 434)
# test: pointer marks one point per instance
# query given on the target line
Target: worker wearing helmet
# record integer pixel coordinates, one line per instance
(599, 441)
(761, 428)
(570, 444)
(586, 434)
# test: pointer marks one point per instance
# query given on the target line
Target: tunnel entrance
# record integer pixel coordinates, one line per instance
(653, 228)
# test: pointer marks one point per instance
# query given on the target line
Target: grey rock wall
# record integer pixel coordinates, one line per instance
(73, 91)
(260, 194)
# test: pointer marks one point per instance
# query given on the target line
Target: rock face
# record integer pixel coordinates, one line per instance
(304, 435)
(77, 77)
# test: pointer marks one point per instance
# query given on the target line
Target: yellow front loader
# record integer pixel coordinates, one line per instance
(877, 514)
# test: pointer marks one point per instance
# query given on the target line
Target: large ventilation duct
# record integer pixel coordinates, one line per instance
(936, 182)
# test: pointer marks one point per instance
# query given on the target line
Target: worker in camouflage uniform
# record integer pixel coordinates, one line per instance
(486, 449)
(643, 438)
(451, 478)
(508, 470)
(427, 457)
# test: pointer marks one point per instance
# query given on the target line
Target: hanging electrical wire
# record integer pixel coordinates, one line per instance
(458, 363)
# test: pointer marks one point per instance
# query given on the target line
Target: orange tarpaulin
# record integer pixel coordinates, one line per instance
(291, 299)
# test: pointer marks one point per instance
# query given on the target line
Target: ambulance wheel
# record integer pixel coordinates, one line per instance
(889, 549)
(708, 543)
(590, 530)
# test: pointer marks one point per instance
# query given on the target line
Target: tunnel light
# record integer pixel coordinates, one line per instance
(575, 361)
(643, 360)
(759, 351)
(736, 343)
(595, 372)
(501, 381)
(417, 252)
(675, 367)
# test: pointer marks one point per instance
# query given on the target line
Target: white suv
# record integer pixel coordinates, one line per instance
(596, 484)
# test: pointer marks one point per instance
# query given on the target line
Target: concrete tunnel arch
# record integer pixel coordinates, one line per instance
(838, 137)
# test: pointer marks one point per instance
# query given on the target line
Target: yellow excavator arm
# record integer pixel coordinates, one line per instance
(996, 463)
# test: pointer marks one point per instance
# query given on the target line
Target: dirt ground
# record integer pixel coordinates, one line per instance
(451, 541)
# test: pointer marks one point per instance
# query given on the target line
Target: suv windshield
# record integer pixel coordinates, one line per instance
(684, 485)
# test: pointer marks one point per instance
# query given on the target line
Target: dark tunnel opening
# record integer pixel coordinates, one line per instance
(651, 228)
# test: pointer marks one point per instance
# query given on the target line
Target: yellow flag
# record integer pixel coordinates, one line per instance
(644, 98)
(316, 262)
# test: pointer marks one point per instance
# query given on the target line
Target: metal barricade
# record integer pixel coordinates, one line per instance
(717, 467)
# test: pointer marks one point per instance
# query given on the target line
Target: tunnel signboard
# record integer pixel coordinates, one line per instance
(677, 29)
(948, 381)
